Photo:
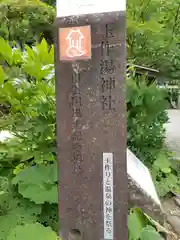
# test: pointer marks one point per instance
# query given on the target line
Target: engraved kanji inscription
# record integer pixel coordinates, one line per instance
(107, 72)
(77, 151)
(107, 67)
(109, 30)
(108, 83)
(76, 104)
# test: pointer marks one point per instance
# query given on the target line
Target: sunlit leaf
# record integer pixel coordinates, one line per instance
(149, 233)
(38, 183)
(34, 231)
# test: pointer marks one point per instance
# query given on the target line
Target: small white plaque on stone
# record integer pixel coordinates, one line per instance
(141, 175)
(79, 7)
(108, 196)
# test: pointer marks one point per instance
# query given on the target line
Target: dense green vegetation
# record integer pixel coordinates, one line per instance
(26, 21)
(153, 35)
(28, 170)
(28, 166)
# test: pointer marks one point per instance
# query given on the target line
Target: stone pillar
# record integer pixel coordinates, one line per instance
(91, 120)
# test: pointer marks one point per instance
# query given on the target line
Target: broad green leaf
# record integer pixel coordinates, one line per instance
(39, 193)
(149, 233)
(163, 163)
(43, 53)
(162, 187)
(135, 224)
(34, 231)
(37, 174)
(17, 56)
(38, 183)
(166, 170)
(15, 211)
(5, 51)
(172, 181)
(30, 54)
(2, 75)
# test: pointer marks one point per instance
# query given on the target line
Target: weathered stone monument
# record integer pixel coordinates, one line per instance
(91, 119)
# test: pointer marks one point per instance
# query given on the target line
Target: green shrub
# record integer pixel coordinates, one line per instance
(26, 21)
(166, 174)
(14, 209)
(146, 116)
(27, 87)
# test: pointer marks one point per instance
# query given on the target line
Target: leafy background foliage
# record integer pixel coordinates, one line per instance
(153, 35)
(26, 21)
(32, 231)
(146, 115)
(14, 209)
(38, 183)
(27, 88)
